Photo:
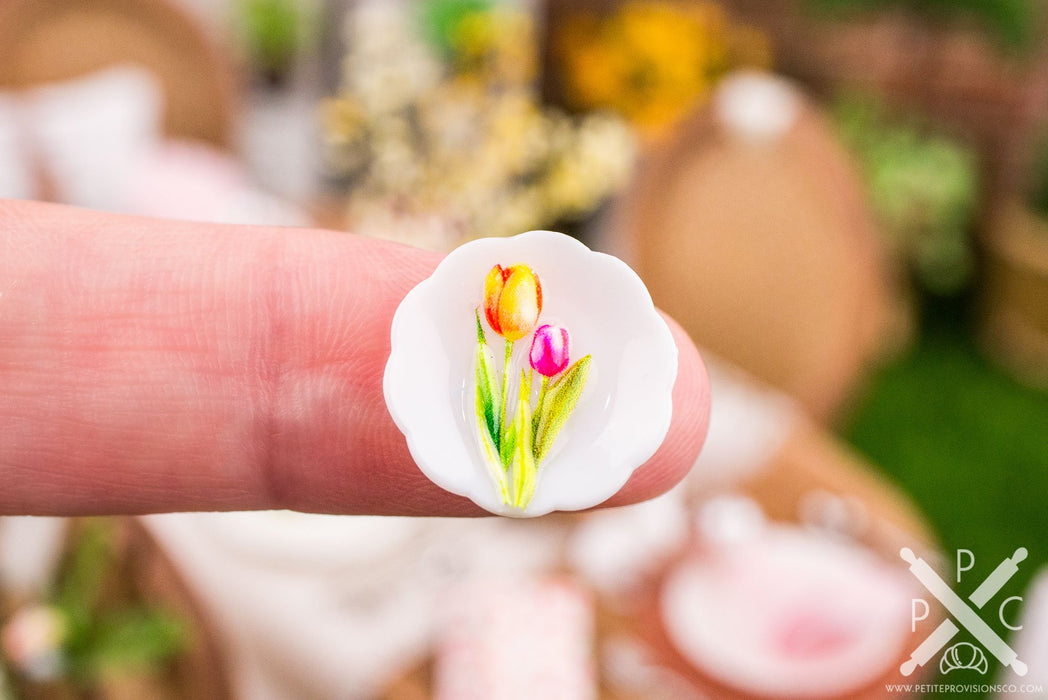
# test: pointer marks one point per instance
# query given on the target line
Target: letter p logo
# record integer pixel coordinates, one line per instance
(914, 616)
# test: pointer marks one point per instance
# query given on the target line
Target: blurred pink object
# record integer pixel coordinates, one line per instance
(31, 641)
(783, 612)
(181, 179)
(99, 141)
(195, 182)
(515, 639)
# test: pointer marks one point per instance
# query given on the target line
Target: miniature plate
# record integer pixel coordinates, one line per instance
(588, 397)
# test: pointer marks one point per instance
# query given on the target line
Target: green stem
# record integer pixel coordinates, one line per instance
(505, 390)
(524, 477)
(504, 489)
(538, 409)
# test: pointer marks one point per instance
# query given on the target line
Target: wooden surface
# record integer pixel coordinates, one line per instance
(812, 461)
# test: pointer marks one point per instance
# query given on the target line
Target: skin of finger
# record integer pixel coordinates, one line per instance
(130, 355)
(153, 366)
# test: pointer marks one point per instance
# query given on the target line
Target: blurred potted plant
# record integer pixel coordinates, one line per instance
(438, 135)
(923, 187)
(275, 33)
(1015, 288)
(98, 632)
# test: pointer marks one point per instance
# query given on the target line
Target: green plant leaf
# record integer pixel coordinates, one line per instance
(560, 401)
(488, 401)
(488, 396)
(441, 19)
(492, 456)
(82, 582)
(135, 639)
(275, 30)
(522, 464)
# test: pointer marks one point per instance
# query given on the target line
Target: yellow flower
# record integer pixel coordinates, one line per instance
(512, 300)
(652, 61)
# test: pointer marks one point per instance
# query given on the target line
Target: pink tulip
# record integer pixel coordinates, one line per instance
(550, 350)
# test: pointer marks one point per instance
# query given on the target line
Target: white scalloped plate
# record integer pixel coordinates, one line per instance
(623, 414)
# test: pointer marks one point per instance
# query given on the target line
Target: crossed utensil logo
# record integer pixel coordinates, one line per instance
(965, 615)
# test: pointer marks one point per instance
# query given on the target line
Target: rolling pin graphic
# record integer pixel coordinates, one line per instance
(965, 615)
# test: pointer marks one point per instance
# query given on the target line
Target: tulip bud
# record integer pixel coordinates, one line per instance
(550, 350)
(512, 300)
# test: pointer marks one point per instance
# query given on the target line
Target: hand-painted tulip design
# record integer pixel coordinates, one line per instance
(550, 350)
(514, 446)
(512, 300)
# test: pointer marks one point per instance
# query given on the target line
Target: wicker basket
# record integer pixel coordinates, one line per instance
(1015, 293)
(952, 73)
(45, 41)
(766, 254)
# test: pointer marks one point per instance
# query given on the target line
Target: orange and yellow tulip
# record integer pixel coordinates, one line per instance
(512, 300)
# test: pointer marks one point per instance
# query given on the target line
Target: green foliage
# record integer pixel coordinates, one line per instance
(521, 463)
(557, 407)
(1012, 23)
(488, 410)
(80, 586)
(275, 31)
(923, 187)
(515, 451)
(488, 395)
(131, 639)
(103, 635)
(441, 18)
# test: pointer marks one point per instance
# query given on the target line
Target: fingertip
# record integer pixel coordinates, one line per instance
(687, 433)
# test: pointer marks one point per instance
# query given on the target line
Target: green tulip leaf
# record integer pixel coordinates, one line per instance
(487, 388)
(487, 402)
(491, 455)
(522, 465)
(560, 401)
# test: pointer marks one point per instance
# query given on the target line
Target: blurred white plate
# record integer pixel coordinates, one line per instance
(789, 614)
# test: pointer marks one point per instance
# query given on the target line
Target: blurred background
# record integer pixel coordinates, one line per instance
(845, 203)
